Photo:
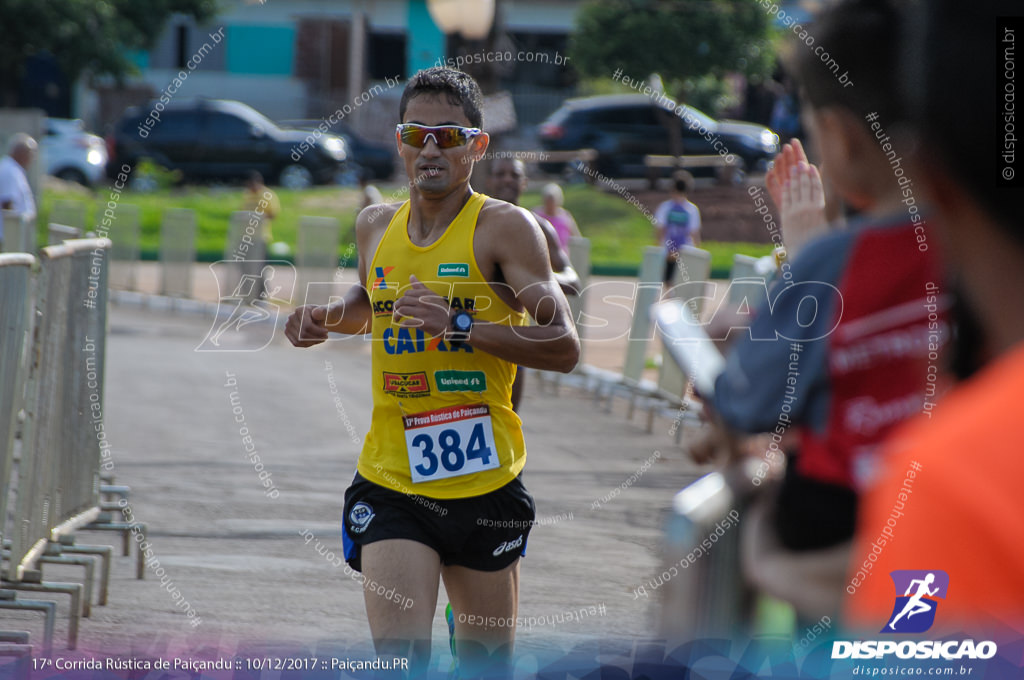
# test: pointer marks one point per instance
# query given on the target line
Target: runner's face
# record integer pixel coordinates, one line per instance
(436, 171)
(507, 180)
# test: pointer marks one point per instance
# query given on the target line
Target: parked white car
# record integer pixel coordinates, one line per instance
(71, 153)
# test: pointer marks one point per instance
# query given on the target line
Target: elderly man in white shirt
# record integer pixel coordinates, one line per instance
(15, 192)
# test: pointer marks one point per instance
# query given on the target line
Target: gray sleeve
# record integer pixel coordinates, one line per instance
(783, 359)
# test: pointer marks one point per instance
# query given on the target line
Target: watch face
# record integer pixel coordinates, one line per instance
(463, 321)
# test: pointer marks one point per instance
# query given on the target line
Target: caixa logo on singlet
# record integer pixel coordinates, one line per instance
(508, 546)
(918, 592)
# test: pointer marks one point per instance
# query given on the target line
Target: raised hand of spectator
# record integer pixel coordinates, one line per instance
(802, 207)
(778, 175)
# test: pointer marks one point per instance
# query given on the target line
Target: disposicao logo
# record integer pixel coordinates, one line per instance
(918, 592)
(914, 611)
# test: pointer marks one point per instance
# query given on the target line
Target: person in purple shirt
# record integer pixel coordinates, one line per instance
(560, 218)
(678, 223)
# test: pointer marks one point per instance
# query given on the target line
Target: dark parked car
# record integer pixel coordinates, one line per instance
(372, 159)
(625, 128)
(219, 139)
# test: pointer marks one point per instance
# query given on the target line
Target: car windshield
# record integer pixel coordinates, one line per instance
(696, 118)
(559, 116)
(64, 126)
(702, 118)
(254, 117)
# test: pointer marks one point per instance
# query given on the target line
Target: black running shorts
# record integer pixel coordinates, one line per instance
(486, 533)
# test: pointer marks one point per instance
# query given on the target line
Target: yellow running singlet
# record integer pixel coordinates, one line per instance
(443, 424)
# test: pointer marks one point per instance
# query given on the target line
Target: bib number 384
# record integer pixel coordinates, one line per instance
(449, 442)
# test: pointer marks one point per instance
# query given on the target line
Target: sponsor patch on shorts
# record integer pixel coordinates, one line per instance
(360, 517)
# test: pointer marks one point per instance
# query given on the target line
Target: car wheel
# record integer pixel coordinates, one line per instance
(72, 175)
(295, 176)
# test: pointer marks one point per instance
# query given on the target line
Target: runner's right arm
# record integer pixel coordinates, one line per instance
(310, 325)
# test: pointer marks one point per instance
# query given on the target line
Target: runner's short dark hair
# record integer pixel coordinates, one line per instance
(459, 88)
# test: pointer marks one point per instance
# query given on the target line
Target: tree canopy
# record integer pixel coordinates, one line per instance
(92, 36)
(681, 40)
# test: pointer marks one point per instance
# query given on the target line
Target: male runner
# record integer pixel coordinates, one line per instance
(507, 182)
(447, 282)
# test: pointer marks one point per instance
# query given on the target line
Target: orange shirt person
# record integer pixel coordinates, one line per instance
(941, 507)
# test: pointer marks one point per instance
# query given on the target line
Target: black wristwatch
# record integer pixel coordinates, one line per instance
(461, 323)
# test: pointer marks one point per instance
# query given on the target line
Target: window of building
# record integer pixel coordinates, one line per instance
(386, 55)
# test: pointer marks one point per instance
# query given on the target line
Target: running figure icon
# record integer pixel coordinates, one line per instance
(915, 605)
(245, 312)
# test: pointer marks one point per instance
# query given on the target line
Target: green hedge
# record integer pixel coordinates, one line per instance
(618, 232)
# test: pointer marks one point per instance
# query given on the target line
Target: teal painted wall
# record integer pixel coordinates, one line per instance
(138, 57)
(261, 50)
(426, 40)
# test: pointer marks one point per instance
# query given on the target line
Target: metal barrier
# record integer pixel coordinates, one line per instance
(177, 252)
(15, 322)
(19, 233)
(316, 257)
(15, 297)
(606, 385)
(58, 233)
(648, 290)
(58, 475)
(745, 282)
(706, 595)
(247, 251)
(124, 253)
(70, 213)
(689, 280)
(237, 223)
(579, 259)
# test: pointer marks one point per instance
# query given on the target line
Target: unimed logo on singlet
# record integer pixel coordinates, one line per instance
(453, 269)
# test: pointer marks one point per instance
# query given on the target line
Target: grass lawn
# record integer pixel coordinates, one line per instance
(618, 232)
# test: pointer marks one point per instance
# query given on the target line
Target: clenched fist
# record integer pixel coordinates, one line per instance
(307, 325)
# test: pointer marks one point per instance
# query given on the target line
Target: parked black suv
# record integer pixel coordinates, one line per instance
(219, 139)
(625, 128)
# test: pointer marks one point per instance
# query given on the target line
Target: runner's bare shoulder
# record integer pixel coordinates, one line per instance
(371, 223)
(509, 226)
(376, 216)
